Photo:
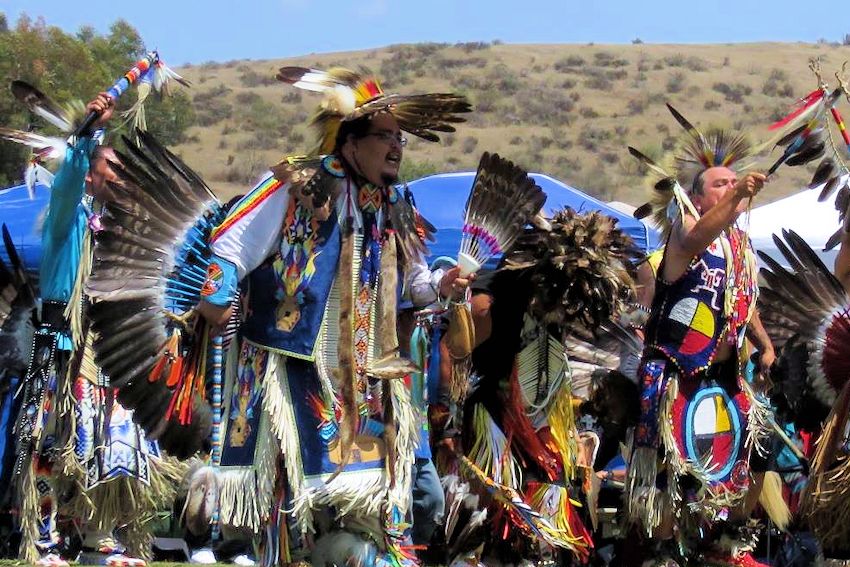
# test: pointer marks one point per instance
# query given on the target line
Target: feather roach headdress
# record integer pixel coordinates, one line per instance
(350, 95)
(694, 153)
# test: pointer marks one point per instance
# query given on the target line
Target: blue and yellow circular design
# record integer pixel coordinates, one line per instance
(709, 431)
(333, 165)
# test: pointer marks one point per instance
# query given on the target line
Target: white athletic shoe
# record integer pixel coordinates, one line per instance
(203, 556)
(244, 560)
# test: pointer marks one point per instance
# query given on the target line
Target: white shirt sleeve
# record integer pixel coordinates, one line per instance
(253, 237)
(422, 284)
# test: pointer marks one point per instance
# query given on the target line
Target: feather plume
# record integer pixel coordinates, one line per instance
(694, 153)
(157, 79)
(578, 274)
(503, 199)
(44, 147)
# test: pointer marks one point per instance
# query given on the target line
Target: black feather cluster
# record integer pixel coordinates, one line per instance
(577, 269)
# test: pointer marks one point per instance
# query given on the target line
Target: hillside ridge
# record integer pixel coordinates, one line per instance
(566, 110)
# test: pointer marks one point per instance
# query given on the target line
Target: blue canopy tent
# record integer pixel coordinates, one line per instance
(441, 199)
(21, 217)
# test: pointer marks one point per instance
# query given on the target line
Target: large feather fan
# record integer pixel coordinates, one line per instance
(503, 199)
(149, 266)
(805, 300)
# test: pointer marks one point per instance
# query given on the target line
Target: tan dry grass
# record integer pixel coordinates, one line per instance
(613, 99)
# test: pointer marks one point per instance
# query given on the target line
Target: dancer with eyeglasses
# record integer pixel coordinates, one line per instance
(319, 430)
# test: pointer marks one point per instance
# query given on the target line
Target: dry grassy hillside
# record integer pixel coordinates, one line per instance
(567, 110)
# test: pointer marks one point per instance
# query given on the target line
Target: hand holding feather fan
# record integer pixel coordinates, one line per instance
(503, 199)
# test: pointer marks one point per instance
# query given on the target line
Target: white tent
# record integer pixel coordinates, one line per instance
(814, 221)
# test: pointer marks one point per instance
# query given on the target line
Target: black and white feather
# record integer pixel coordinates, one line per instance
(805, 303)
(149, 265)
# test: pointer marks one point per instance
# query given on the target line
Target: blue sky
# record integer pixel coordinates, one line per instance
(196, 30)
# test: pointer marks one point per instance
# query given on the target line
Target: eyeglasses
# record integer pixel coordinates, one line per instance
(389, 138)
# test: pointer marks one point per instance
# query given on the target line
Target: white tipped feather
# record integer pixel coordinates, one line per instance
(40, 104)
(316, 81)
(503, 199)
(162, 77)
(60, 122)
(47, 147)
